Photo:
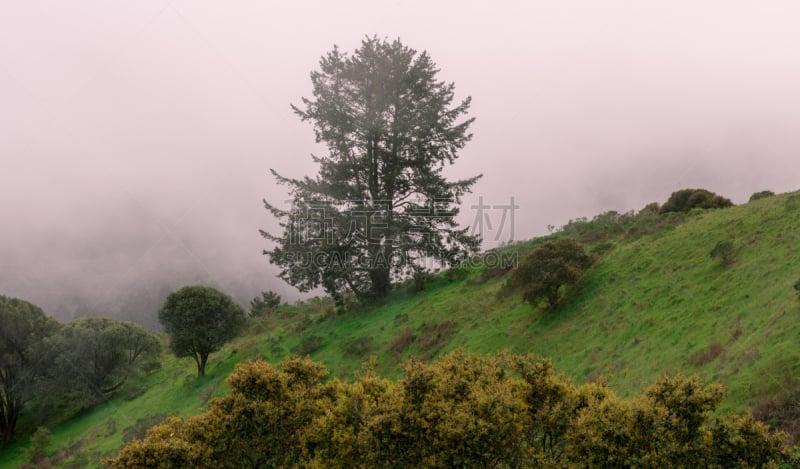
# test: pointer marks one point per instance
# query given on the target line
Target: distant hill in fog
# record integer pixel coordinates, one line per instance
(129, 281)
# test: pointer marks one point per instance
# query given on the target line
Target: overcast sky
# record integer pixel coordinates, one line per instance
(136, 137)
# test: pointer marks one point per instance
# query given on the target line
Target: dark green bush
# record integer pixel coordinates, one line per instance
(761, 195)
(686, 199)
(547, 269)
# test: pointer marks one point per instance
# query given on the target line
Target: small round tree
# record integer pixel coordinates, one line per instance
(546, 269)
(199, 320)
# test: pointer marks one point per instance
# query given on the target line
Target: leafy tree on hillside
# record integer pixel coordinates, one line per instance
(548, 268)
(101, 354)
(199, 320)
(686, 199)
(23, 327)
(380, 202)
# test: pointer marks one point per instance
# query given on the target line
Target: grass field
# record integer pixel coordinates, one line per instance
(652, 304)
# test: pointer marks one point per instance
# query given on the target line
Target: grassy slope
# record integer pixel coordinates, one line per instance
(651, 305)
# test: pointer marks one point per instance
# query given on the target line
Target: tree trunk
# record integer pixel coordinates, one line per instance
(552, 297)
(9, 423)
(379, 269)
(380, 281)
(201, 359)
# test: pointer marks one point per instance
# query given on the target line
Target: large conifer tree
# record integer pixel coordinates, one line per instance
(380, 204)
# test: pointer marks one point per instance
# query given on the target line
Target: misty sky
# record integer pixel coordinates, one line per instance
(136, 137)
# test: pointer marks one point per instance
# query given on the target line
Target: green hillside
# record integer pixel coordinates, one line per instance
(651, 304)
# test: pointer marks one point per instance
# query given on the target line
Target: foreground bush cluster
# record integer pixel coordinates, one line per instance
(465, 410)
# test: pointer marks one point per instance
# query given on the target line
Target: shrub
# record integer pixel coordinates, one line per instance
(650, 209)
(723, 251)
(548, 268)
(761, 195)
(613, 225)
(672, 425)
(308, 307)
(781, 410)
(464, 410)
(265, 305)
(602, 226)
(40, 440)
(686, 199)
(797, 287)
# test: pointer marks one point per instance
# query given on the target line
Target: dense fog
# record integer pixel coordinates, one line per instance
(136, 138)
